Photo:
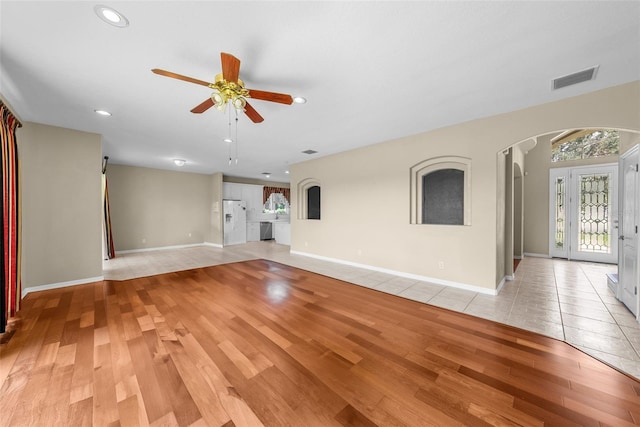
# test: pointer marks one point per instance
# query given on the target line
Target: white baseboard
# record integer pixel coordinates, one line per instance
(213, 245)
(534, 255)
(434, 280)
(501, 284)
(163, 248)
(58, 285)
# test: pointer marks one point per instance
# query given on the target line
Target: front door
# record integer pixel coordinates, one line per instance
(629, 219)
(583, 210)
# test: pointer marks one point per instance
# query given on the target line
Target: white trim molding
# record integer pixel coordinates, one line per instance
(465, 286)
(534, 255)
(213, 245)
(163, 248)
(58, 285)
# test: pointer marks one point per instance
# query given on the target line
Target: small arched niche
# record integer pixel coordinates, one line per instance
(309, 199)
(441, 191)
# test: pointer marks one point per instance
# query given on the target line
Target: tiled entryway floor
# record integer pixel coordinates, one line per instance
(566, 300)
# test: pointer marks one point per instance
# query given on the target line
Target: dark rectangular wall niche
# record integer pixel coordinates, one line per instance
(443, 197)
(313, 202)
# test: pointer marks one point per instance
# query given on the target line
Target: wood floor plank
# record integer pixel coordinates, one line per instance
(259, 343)
(156, 401)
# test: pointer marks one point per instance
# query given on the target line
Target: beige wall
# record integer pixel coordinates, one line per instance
(365, 192)
(61, 205)
(152, 208)
(536, 197)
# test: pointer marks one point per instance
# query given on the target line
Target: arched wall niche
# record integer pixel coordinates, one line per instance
(303, 194)
(428, 166)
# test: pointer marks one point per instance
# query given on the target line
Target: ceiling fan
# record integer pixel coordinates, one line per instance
(229, 89)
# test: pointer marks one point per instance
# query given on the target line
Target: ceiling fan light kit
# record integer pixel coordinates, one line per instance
(232, 93)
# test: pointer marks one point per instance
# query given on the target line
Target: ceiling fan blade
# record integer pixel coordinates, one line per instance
(282, 98)
(252, 114)
(180, 77)
(201, 108)
(230, 67)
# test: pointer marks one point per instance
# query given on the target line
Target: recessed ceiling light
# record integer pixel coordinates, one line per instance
(299, 100)
(179, 162)
(309, 151)
(287, 172)
(111, 16)
(228, 140)
(102, 112)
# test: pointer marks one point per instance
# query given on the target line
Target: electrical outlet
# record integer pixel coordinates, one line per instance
(441, 265)
(189, 234)
(144, 240)
(359, 251)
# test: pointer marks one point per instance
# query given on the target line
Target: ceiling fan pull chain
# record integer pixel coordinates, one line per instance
(236, 137)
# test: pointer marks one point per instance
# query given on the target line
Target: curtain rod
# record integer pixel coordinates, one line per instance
(11, 110)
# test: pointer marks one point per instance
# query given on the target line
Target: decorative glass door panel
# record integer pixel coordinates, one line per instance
(593, 235)
(558, 202)
(583, 211)
(594, 221)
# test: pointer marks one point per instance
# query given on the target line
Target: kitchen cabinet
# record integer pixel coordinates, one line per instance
(250, 193)
(282, 232)
(253, 231)
(232, 191)
(253, 195)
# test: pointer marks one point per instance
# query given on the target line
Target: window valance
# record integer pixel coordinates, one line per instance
(268, 191)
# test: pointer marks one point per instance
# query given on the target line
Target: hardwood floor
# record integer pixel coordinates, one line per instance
(260, 343)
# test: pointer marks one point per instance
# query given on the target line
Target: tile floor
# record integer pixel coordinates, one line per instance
(566, 300)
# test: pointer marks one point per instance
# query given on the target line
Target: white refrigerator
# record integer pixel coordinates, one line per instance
(234, 215)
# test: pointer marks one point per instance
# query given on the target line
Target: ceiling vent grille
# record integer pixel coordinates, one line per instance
(309, 151)
(575, 78)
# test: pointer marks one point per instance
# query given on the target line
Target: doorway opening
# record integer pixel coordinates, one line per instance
(583, 212)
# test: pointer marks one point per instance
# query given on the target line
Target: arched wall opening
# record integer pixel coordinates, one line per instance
(536, 168)
(523, 185)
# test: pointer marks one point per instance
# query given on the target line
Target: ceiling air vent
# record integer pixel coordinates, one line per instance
(575, 78)
(309, 151)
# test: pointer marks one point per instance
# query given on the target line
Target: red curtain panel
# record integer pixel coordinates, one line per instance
(10, 294)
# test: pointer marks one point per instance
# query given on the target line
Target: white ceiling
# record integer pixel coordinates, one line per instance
(371, 71)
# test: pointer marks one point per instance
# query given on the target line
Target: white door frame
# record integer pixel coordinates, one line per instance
(569, 248)
(629, 263)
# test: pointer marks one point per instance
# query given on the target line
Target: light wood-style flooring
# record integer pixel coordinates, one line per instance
(261, 343)
(561, 299)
